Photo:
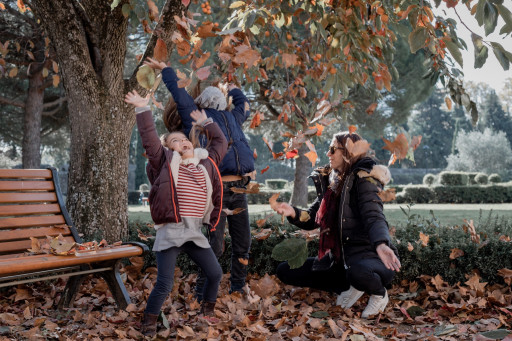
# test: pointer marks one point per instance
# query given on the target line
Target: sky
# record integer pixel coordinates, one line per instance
(491, 73)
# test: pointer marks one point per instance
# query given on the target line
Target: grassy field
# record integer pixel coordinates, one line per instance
(447, 214)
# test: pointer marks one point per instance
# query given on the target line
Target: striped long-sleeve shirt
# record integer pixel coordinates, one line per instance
(191, 190)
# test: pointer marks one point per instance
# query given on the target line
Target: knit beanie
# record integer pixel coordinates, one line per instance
(213, 98)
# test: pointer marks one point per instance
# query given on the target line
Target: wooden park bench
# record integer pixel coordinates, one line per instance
(31, 205)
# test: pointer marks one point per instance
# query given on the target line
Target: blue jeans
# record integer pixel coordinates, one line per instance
(166, 262)
(240, 232)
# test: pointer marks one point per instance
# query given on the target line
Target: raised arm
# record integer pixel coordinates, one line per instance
(218, 145)
(147, 129)
(185, 102)
(241, 103)
(303, 219)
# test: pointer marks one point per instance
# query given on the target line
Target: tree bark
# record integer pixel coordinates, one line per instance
(31, 144)
(300, 184)
(90, 43)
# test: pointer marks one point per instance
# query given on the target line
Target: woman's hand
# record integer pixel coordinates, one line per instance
(155, 64)
(199, 116)
(285, 209)
(134, 98)
(388, 257)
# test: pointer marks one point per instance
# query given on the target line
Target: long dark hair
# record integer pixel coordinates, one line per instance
(338, 176)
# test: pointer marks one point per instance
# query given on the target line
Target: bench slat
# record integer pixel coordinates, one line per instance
(26, 173)
(27, 197)
(34, 221)
(44, 262)
(21, 246)
(26, 186)
(19, 234)
(15, 210)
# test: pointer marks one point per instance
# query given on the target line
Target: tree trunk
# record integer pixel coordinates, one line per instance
(140, 163)
(31, 145)
(90, 43)
(300, 184)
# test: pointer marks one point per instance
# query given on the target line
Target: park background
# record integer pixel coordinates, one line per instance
(414, 106)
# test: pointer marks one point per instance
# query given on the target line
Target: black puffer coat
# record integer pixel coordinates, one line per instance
(361, 221)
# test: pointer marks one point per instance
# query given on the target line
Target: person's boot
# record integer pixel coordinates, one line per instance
(208, 311)
(376, 304)
(149, 324)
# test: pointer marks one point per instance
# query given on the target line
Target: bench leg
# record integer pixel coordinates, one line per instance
(116, 286)
(69, 293)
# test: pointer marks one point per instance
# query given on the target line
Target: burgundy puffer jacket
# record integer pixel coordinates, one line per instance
(162, 196)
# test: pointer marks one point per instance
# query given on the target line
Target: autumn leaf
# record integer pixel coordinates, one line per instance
(264, 169)
(360, 147)
(261, 222)
(203, 73)
(273, 201)
(506, 274)
(199, 62)
(21, 6)
(289, 60)
(205, 30)
(371, 108)
(294, 153)
(415, 142)
(183, 47)
(474, 283)
(256, 120)
(160, 51)
(3, 48)
(153, 11)
(265, 287)
(387, 195)
(252, 188)
(61, 247)
(262, 234)
(146, 77)
(255, 154)
(35, 245)
(352, 129)
(183, 83)
(2, 6)
(409, 246)
(456, 253)
(250, 57)
(399, 147)
(312, 156)
(448, 102)
(424, 239)
(451, 3)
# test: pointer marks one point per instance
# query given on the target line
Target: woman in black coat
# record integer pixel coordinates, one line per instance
(355, 253)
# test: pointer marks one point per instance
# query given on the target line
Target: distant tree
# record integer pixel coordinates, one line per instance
(494, 117)
(477, 151)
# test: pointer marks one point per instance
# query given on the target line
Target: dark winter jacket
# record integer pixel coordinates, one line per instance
(163, 199)
(361, 221)
(239, 159)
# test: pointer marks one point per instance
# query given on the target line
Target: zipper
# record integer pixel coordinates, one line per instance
(233, 144)
(341, 220)
(172, 196)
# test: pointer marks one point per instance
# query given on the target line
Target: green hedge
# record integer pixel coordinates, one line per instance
(493, 193)
(482, 179)
(453, 178)
(487, 257)
(429, 179)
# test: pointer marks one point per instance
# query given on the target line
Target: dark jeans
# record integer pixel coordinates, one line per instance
(240, 232)
(368, 275)
(166, 261)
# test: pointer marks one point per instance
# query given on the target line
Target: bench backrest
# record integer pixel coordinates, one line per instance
(31, 205)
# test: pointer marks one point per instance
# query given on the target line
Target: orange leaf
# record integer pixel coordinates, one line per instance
(352, 129)
(183, 47)
(289, 59)
(55, 67)
(263, 74)
(424, 239)
(2, 6)
(205, 30)
(153, 11)
(56, 80)
(183, 83)
(249, 57)
(398, 147)
(415, 142)
(160, 51)
(448, 102)
(456, 253)
(312, 156)
(292, 154)
(361, 147)
(264, 169)
(256, 120)
(409, 246)
(21, 6)
(255, 154)
(198, 62)
(371, 108)
(273, 201)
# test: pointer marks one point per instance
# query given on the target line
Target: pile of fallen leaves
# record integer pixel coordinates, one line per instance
(427, 309)
(65, 247)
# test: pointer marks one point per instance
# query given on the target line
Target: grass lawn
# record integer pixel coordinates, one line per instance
(448, 214)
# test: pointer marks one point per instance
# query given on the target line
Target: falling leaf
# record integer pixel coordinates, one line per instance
(199, 62)
(21, 6)
(387, 195)
(255, 154)
(203, 73)
(233, 212)
(448, 102)
(360, 147)
(256, 120)
(312, 156)
(456, 253)
(371, 108)
(264, 169)
(183, 83)
(294, 153)
(262, 234)
(352, 129)
(160, 51)
(273, 201)
(205, 30)
(289, 60)
(424, 239)
(146, 77)
(398, 147)
(409, 246)
(2, 6)
(249, 57)
(153, 12)
(252, 188)
(183, 47)
(415, 142)
(261, 222)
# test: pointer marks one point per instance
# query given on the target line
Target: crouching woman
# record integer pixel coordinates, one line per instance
(355, 252)
(186, 193)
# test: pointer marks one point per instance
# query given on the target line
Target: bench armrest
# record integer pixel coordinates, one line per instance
(144, 247)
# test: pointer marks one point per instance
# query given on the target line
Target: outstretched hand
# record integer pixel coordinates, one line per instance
(388, 257)
(155, 64)
(285, 209)
(137, 100)
(199, 116)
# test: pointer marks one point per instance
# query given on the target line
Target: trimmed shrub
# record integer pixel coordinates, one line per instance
(429, 179)
(482, 179)
(276, 183)
(416, 194)
(453, 178)
(487, 257)
(494, 178)
(471, 176)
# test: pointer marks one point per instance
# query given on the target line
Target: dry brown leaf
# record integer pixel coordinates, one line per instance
(265, 287)
(252, 188)
(160, 51)
(424, 239)
(456, 253)
(361, 147)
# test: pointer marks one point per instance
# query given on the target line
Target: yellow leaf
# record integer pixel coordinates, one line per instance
(237, 4)
(56, 80)
(45, 72)
(146, 77)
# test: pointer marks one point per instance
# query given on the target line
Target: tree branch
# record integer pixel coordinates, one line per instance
(8, 101)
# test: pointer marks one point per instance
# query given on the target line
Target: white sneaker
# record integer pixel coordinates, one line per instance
(347, 298)
(376, 304)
